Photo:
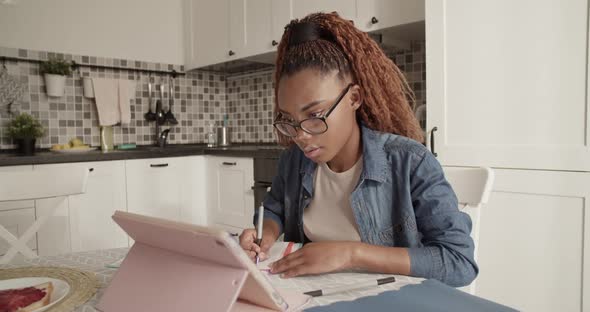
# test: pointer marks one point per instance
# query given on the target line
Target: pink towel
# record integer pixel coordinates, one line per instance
(106, 95)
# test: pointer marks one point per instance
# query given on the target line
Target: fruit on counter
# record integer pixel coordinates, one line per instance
(76, 142)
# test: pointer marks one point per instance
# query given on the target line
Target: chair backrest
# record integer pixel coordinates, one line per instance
(473, 187)
(22, 185)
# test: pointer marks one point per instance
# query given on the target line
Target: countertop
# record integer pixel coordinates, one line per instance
(11, 158)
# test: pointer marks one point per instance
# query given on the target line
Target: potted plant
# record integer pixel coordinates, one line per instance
(55, 72)
(24, 130)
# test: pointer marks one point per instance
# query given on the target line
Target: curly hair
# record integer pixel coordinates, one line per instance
(327, 42)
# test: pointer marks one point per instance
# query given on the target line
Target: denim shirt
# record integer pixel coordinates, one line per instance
(402, 199)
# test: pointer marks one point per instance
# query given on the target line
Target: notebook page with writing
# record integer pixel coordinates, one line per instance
(276, 252)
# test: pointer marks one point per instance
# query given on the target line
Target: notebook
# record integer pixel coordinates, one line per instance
(276, 252)
(430, 295)
(175, 266)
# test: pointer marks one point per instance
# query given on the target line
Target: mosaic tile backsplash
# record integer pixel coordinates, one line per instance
(200, 99)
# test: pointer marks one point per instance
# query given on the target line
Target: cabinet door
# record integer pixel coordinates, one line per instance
(379, 14)
(282, 14)
(231, 198)
(208, 32)
(91, 223)
(534, 248)
(345, 8)
(17, 222)
(250, 27)
(507, 83)
(154, 187)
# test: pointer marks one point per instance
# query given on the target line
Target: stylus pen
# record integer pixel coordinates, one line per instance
(259, 229)
(333, 290)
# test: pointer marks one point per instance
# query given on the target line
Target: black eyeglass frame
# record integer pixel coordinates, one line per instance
(322, 118)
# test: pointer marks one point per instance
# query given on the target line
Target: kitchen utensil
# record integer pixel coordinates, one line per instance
(150, 116)
(159, 111)
(169, 116)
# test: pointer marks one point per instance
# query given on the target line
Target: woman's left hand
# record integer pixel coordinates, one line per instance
(315, 258)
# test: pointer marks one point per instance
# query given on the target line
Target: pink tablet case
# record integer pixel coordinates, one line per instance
(181, 267)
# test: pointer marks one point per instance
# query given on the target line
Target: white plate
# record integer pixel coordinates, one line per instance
(60, 288)
(75, 150)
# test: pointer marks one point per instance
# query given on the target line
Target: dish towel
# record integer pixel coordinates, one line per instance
(126, 93)
(112, 100)
(106, 95)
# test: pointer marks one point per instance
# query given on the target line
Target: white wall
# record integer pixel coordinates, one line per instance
(147, 30)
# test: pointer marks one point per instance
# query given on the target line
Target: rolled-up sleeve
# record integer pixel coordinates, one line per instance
(447, 253)
(273, 202)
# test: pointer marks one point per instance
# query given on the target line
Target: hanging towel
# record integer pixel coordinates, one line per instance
(106, 95)
(126, 93)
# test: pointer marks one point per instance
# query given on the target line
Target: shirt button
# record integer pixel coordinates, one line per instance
(305, 196)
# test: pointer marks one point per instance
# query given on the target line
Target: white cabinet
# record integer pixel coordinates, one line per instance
(220, 31)
(507, 83)
(154, 187)
(170, 188)
(230, 196)
(534, 248)
(83, 222)
(347, 9)
(379, 14)
(207, 32)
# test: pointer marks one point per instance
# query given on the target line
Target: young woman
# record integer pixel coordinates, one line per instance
(355, 185)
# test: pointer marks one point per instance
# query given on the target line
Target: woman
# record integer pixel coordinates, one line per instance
(355, 186)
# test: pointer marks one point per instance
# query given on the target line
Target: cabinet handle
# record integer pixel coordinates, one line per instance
(225, 163)
(231, 53)
(90, 169)
(274, 43)
(374, 20)
(158, 165)
(432, 141)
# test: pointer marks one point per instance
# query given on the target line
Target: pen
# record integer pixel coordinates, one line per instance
(259, 229)
(329, 291)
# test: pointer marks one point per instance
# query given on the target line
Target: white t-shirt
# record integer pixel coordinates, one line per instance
(329, 215)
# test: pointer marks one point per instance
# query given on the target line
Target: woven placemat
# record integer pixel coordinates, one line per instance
(83, 285)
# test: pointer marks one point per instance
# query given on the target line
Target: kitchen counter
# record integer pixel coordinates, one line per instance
(11, 158)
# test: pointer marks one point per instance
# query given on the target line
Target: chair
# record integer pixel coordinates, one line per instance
(33, 185)
(473, 187)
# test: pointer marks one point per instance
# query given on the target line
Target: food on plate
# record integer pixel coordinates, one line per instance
(25, 299)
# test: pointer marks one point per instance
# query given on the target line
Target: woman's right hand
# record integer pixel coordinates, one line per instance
(247, 241)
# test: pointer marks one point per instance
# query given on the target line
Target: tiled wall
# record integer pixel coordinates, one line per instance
(200, 98)
(251, 97)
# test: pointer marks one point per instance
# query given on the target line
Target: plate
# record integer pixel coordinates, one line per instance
(75, 150)
(60, 288)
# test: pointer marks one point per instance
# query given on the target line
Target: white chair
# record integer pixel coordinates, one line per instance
(32, 185)
(473, 187)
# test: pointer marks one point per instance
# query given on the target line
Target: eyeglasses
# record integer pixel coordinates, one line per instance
(313, 125)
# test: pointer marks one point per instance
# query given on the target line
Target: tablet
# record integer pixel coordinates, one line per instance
(176, 266)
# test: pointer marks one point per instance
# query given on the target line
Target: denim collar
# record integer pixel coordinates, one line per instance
(375, 164)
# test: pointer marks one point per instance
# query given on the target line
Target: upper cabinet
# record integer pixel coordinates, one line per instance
(507, 83)
(379, 14)
(222, 30)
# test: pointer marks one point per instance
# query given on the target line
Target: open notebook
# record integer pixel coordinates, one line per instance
(176, 266)
(276, 252)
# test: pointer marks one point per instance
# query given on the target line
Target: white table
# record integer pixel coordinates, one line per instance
(95, 261)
